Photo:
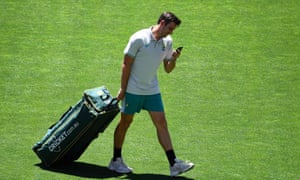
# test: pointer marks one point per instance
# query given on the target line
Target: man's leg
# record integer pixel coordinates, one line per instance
(121, 129)
(160, 122)
(117, 164)
(176, 166)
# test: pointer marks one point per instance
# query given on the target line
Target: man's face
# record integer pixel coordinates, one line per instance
(167, 29)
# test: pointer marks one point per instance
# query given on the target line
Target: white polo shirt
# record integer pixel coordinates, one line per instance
(148, 53)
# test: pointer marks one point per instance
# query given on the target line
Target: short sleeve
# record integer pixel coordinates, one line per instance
(133, 46)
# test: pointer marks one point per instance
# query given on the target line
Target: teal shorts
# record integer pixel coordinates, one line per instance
(135, 103)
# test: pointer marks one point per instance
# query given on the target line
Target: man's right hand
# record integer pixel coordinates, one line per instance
(121, 94)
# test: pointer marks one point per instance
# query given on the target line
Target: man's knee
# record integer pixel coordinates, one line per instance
(126, 120)
(159, 119)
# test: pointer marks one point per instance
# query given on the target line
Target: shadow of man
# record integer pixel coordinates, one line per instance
(86, 170)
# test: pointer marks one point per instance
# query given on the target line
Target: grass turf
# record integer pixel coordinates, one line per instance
(232, 102)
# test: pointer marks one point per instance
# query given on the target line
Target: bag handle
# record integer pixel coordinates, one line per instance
(113, 101)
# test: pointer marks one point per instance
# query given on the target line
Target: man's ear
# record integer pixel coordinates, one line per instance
(162, 22)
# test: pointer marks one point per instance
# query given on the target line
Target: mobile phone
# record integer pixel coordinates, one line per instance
(179, 49)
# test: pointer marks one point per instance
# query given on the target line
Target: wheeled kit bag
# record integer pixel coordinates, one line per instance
(68, 138)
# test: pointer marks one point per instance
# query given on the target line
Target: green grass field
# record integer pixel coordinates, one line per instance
(232, 103)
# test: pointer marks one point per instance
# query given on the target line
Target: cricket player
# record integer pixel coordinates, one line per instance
(145, 51)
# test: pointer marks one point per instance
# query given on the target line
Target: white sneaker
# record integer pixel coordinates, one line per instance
(119, 166)
(180, 167)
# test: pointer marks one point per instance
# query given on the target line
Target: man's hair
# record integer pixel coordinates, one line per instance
(169, 17)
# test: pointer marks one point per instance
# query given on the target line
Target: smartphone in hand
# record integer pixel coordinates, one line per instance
(179, 49)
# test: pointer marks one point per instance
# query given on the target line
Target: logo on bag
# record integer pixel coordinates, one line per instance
(54, 145)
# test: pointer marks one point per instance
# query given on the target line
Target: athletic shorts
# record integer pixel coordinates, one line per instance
(135, 103)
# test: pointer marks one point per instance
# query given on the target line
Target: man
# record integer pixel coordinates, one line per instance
(144, 52)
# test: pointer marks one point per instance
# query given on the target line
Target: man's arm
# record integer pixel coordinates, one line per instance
(126, 69)
(170, 64)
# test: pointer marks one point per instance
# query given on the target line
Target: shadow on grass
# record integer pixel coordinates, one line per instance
(86, 170)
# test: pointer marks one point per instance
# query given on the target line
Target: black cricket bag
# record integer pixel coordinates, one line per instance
(68, 138)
